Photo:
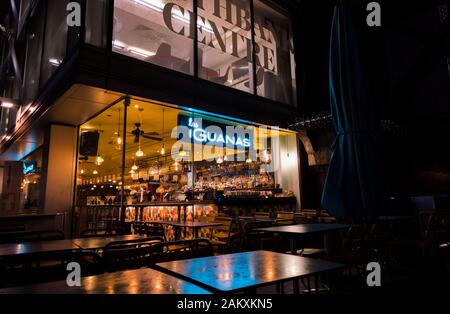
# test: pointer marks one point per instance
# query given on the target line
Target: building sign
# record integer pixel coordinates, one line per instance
(205, 132)
(221, 24)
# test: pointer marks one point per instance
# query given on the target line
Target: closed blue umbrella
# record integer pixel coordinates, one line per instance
(350, 186)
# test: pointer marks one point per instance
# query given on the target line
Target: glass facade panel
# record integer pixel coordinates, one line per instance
(56, 38)
(99, 178)
(181, 165)
(96, 22)
(34, 37)
(156, 31)
(225, 43)
(275, 66)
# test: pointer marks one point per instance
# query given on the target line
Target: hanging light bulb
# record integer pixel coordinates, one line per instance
(95, 172)
(176, 164)
(119, 140)
(139, 153)
(182, 152)
(82, 171)
(131, 171)
(219, 160)
(163, 150)
(99, 160)
(134, 167)
(225, 158)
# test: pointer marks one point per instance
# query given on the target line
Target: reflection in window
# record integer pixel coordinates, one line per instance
(35, 34)
(224, 43)
(156, 31)
(56, 29)
(275, 71)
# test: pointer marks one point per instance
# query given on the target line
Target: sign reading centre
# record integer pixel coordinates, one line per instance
(206, 132)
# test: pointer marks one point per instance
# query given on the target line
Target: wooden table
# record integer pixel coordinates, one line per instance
(37, 247)
(190, 224)
(96, 243)
(300, 230)
(139, 281)
(264, 219)
(246, 271)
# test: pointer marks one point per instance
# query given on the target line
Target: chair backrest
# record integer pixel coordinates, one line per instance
(285, 215)
(262, 215)
(131, 254)
(206, 218)
(355, 240)
(154, 230)
(226, 224)
(34, 268)
(185, 249)
(89, 233)
(300, 218)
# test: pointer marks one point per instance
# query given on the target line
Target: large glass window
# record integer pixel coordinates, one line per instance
(35, 36)
(275, 66)
(56, 38)
(156, 31)
(179, 165)
(96, 22)
(162, 32)
(99, 178)
(225, 43)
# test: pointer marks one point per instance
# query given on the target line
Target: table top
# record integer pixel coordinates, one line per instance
(304, 228)
(37, 247)
(191, 224)
(264, 219)
(240, 271)
(96, 243)
(139, 281)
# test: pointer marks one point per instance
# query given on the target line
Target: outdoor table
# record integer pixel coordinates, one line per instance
(139, 281)
(97, 243)
(246, 271)
(195, 226)
(36, 247)
(300, 230)
(263, 219)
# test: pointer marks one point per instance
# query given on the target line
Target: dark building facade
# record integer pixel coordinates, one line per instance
(88, 111)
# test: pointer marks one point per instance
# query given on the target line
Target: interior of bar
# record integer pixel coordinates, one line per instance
(165, 163)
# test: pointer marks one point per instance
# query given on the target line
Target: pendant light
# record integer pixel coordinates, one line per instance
(119, 138)
(99, 159)
(134, 167)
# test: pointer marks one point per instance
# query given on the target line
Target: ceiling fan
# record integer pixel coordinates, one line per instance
(138, 133)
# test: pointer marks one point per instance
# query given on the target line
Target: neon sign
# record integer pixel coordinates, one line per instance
(29, 167)
(211, 133)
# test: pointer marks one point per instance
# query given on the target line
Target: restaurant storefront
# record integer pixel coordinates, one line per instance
(146, 161)
(143, 114)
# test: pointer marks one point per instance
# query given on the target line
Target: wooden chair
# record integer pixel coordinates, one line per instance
(249, 238)
(154, 230)
(103, 232)
(262, 215)
(285, 215)
(185, 249)
(206, 218)
(23, 269)
(119, 255)
(222, 236)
